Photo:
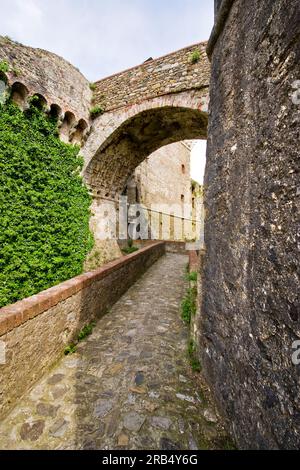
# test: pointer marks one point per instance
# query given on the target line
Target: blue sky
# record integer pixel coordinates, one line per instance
(102, 37)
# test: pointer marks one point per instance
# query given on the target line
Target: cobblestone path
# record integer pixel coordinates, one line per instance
(129, 385)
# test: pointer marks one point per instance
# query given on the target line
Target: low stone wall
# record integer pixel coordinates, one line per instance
(35, 331)
(170, 246)
(176, 247)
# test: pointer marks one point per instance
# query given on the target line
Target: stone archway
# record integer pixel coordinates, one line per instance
(121, 148)
(107, 172)
(144, 108)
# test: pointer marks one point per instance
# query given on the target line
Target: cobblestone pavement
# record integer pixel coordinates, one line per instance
(129, 385)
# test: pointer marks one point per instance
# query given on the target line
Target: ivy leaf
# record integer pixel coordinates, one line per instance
(44, 206)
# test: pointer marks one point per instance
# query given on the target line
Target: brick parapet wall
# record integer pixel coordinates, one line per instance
(36, 330)
(15, 315)
(196, 266)
(169, 74)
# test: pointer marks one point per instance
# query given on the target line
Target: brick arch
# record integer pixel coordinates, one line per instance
(123, 138)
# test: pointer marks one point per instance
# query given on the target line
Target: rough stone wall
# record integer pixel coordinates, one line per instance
(172, 73)
(250, 304)
(164, 177)
(217, 5)
(163, 183)
(36, 330)
(49, 75)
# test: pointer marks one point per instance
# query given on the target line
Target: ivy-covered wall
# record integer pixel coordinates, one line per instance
(44, 206)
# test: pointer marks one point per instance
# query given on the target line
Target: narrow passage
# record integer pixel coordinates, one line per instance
(129, 385)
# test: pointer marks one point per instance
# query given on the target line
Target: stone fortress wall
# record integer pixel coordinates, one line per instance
(165, 176)
(250, 291)
(61, 87)
(170, 74)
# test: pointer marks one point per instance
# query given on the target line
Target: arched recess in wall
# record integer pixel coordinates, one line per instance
(55, 111)
(79, 131)
(39, 101)
(134, 140)
(19, 94)
(66, 126)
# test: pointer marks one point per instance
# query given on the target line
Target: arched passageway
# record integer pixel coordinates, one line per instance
(135, 139)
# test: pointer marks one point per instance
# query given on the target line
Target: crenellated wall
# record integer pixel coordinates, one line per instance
(63, 89)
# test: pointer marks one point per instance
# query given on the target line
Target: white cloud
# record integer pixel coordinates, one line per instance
(21, 18)
(102, 37)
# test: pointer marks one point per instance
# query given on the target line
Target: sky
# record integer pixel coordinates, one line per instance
(102, 37)
(198, 160)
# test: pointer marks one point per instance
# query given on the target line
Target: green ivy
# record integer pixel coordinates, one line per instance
(188, 305)
(195, 57)
(4, 66)
(96, 111)
(44, 206)
(87, 330)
